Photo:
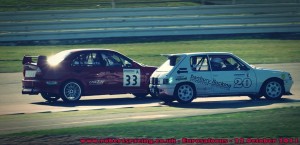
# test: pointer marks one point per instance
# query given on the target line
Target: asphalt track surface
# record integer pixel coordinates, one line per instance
(12, 102)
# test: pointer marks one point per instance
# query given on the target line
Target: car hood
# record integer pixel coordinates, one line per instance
(159, 74)
(264, 73)
(268, 70)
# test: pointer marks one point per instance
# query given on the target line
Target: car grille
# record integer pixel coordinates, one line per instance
(154, 81)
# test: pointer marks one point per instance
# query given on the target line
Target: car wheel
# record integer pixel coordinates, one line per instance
(255, 97)
(71, 91)
(185, 93)
(140, 95)
(50, 97)
(273, 89)
(153, 95)
(167, 99)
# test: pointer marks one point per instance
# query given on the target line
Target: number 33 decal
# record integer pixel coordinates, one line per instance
(131, 77)
(129, 81)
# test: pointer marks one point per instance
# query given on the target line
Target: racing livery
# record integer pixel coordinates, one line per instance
(71, 74)
(186, 76)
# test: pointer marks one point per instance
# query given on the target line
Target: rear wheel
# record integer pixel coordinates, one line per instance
(71, 91)
(50, 97)
(273, 89)
(185, 93)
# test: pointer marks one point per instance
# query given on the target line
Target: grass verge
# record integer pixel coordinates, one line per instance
(283, 122)
(253, 51)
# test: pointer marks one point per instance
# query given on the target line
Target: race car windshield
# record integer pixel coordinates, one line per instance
(57, 58)
(169, 64)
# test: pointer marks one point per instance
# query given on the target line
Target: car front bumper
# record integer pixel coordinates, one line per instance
(162, 90)
(287, 87)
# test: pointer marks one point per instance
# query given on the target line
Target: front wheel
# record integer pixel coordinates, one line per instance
(50, 97)
(185, 93)
(71, 91)
(273, 89)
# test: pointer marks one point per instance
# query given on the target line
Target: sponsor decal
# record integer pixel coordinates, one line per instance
(181, 78)
(182, 70)
(239, 74)
(213, 83)
(186, 140)
(96, 82)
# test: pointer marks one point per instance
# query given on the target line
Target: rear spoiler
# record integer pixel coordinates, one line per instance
(40, 60)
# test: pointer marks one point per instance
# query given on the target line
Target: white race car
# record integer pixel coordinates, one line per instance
(183, 77)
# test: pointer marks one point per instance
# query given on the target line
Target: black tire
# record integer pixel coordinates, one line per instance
(71, 91)
(153, 95)
(167, 99)
(50, 97)
(185, 93)
(140, 95)
(255, 97)
(273, 89)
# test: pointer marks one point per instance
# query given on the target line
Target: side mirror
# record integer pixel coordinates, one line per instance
(244, 68)
(128, 65)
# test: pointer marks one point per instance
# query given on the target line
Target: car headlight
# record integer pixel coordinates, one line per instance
(168, 81)
(290, 76)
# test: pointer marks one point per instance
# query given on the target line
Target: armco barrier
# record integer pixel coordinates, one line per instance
(128, 22)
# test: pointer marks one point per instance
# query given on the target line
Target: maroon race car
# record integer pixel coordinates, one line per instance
(71, 74)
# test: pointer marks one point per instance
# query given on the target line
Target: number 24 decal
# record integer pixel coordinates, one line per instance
(242, 83)
(132, 82)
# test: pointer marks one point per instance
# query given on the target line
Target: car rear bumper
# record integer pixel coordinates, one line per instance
(34, 87)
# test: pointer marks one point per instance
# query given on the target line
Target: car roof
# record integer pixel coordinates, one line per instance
(89, 49)
(198, 53)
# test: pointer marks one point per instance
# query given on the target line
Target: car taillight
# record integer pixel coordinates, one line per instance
(38, 72)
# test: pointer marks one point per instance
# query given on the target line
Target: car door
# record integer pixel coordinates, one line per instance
(124, 76)
(114, 72)
(230, 76)
(201, 74)
(90, 70)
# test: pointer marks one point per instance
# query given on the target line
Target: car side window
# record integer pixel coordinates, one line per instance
(225, 63)
(88, 60)
(115, 60)
(199, 63)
